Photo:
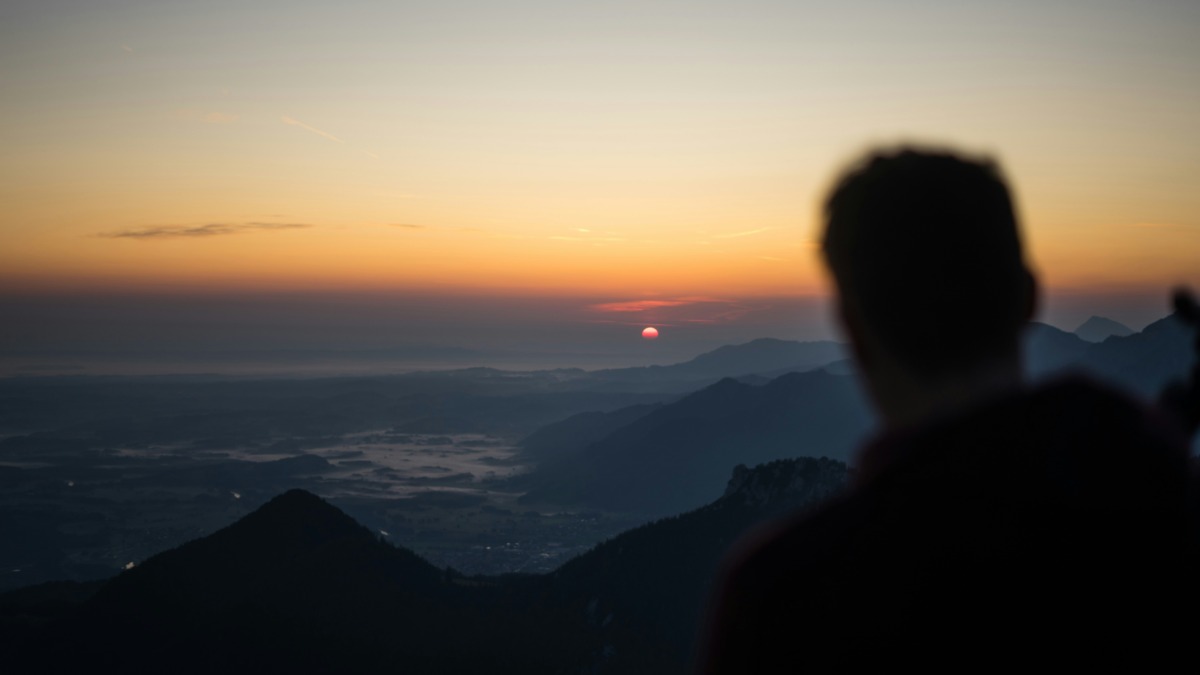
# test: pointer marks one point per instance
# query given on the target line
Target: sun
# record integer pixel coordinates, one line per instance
(650, 332)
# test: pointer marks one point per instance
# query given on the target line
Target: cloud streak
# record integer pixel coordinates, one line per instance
(634, 306)
(673, 311)
(199, 231)
(302, 125)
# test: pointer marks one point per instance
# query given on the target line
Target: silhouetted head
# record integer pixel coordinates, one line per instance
(925, 251)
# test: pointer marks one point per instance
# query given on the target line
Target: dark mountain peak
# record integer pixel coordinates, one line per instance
(766, 352)
(295, 548)
(297, 497)
(297, 504)
(720, 390)
(298, 518)
(729, 383)
(757, 343)
(786, 483)
(714, 398)
(1099, 329)
(1170, 325)
(295, 536)
(1048, 349)
(1045, 328)
(787, 381)
(764, 356)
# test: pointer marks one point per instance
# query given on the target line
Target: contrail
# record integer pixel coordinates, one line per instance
(302, 125)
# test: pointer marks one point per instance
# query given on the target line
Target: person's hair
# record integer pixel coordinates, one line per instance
(924, 246)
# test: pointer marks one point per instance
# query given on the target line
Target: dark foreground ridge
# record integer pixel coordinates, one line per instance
(299, 586)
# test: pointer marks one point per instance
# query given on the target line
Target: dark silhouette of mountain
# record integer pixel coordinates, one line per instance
(674, 458)
(254, 580)
(1099, 329)
(298, 586)
(670, 459)
(761, 355)
(764, 355)
(1048, 349)
(649, 586)
(1142, 362)
(1146, 361)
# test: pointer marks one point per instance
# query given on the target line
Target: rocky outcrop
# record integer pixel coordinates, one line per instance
(786, 484)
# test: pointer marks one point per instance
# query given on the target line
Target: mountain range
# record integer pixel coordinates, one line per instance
(298, 586)
(1099, 329)
(1143, 362)
(675, 456)
(669, 457)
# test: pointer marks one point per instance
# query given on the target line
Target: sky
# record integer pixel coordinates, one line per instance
(553, 176)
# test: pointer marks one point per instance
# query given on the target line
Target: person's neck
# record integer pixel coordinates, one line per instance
(907, 400)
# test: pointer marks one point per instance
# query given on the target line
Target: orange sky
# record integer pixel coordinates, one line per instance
(630, 150)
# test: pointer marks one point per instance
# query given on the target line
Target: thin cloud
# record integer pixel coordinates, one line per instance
(645, 305)
(127, 48)
(679, 311)
(302, 125)
(199, 231)
(407, 226)
(637, 305)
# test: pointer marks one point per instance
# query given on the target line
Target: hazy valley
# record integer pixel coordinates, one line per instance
(476, 471)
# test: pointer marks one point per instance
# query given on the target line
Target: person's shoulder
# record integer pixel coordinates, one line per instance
(1079, 414)
(780, 582)
(1079, 393)
(807, 543)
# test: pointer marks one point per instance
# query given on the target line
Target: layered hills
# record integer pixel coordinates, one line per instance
(1099, 329)
(298, 586)
(674, 457)
(1142, 362)
(667, 458)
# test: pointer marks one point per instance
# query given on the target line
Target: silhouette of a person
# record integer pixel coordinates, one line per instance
(989, 522)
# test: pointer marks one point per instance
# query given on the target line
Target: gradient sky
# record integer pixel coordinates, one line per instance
(560, 162)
